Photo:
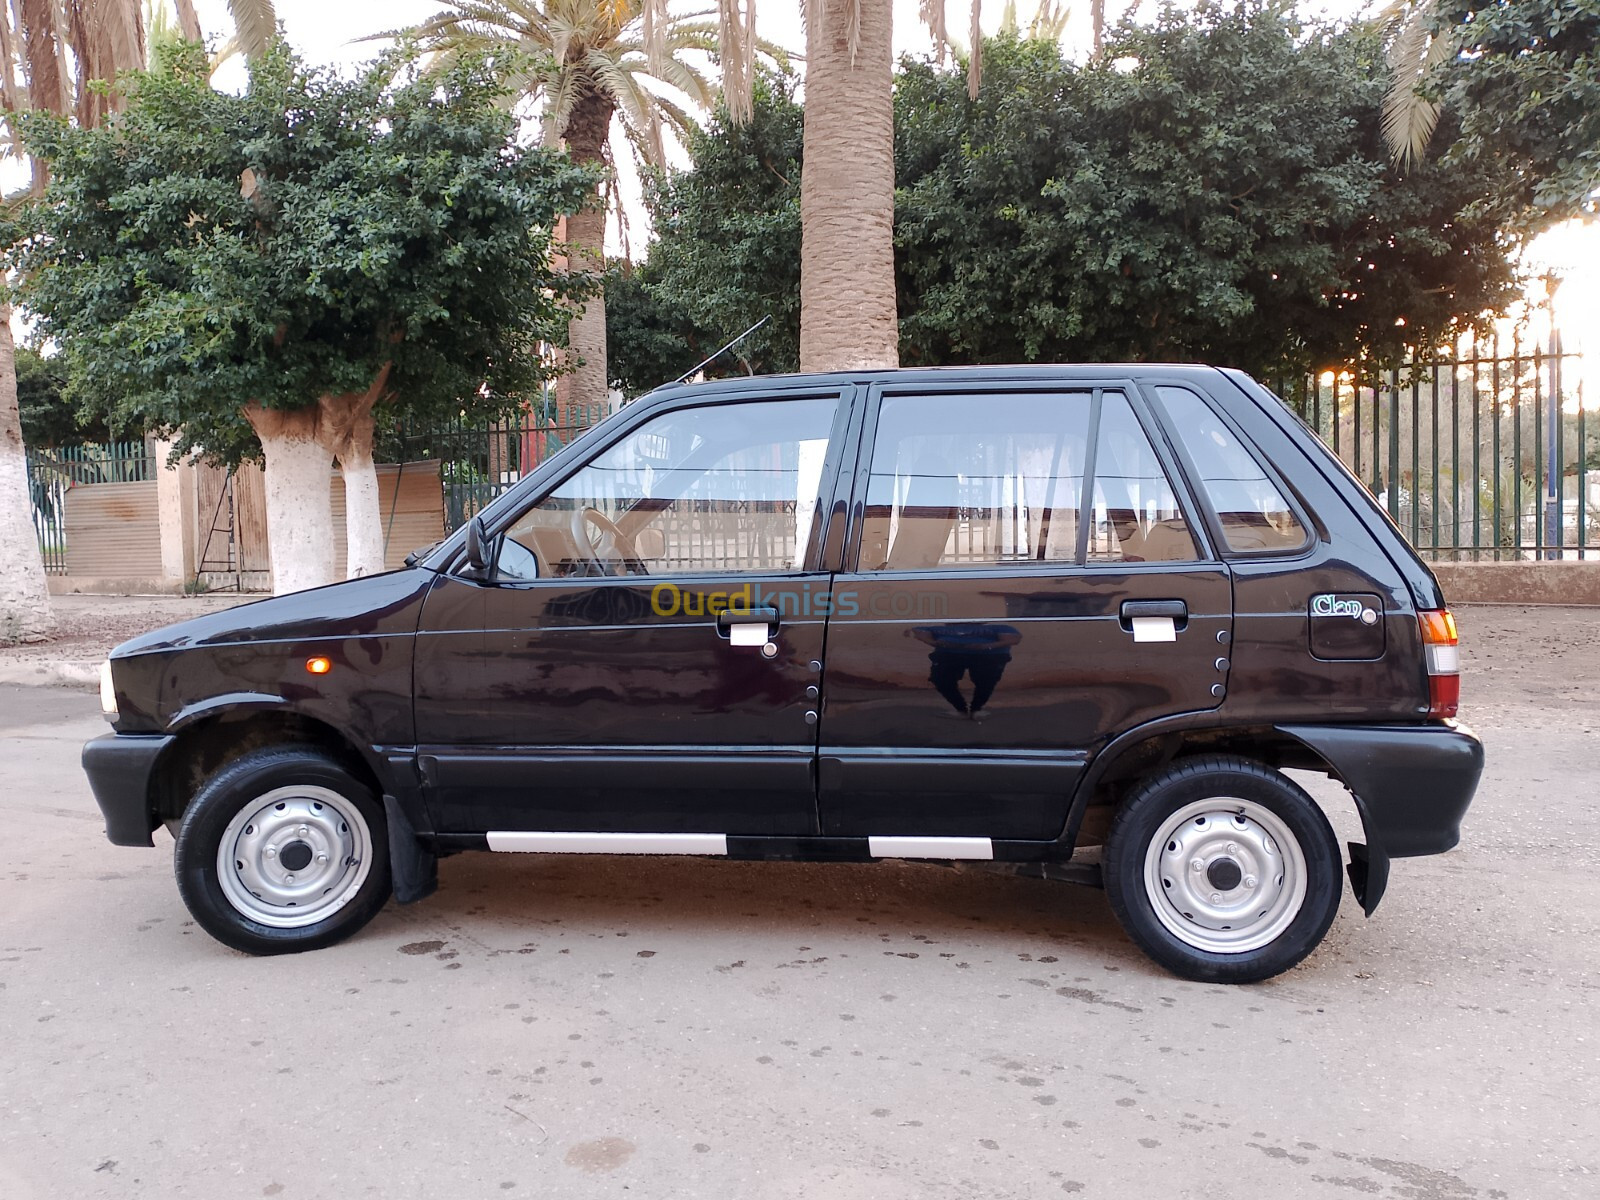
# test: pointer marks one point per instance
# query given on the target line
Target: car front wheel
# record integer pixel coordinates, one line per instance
(283, 849)
(1223, 870)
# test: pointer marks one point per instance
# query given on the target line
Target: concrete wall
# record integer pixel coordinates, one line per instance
(152, 537)
(1526, 582)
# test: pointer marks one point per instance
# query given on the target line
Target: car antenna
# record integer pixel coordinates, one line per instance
(724, 349)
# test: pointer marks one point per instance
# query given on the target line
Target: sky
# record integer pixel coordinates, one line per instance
(326, 31)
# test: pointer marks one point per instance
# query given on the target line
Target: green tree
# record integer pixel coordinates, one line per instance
(1522, 80)
(595, 58)
(1213, 187)
(48, 417)
(726, 252)
(279, 264)
(648, 343)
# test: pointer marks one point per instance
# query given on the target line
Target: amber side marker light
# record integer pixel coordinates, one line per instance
(318, 665)
(1443, 650)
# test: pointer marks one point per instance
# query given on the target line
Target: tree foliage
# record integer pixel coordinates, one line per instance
(1214, 186)
(206, 251)
(48, 417)
(1525, 87)
(727, 251)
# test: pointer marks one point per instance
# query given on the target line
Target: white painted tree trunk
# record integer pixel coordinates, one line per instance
(25, 614)
(363, 508)
(299, 446)
(298, 475)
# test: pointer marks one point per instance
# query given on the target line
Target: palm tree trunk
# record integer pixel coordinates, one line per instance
(583, 389)
(25, 614)
(847, 297)
(189, 22)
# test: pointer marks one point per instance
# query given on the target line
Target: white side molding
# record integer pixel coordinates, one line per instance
(609, 843)
(930, 847)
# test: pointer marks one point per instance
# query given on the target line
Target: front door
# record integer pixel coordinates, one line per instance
(1026, 583)
(645, 656)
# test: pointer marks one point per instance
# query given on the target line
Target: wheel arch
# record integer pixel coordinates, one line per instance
(207, 738)
(1129, 758)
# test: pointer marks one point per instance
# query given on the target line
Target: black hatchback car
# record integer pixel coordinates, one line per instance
(1073, 620)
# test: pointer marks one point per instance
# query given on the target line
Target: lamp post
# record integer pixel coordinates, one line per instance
(1554, 532)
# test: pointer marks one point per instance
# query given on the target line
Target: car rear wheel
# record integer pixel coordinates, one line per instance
(283, 849)
(1223, 870)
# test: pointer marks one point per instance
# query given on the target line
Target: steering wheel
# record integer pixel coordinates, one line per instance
(621, 554)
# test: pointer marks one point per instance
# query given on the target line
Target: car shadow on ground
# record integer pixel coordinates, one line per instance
(505, 900)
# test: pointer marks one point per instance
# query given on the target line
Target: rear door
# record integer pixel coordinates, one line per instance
(1023, 581)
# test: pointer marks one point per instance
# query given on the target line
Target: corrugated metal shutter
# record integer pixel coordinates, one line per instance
(113, 531)
(412, 493)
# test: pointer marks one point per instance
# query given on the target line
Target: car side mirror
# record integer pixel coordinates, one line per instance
(480, 551)
(650, 543)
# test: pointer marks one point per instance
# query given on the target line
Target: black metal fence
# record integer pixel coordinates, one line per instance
(480, 459)
(1486, 454)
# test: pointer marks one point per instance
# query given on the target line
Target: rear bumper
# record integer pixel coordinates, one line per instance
(119, 766)
(1412, 785)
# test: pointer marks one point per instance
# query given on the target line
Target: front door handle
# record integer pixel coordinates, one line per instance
(1154, 620)
(748, 626)
(1176, 609)
(729, 617)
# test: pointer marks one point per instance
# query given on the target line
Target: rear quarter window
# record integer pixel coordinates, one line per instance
(1255, 517)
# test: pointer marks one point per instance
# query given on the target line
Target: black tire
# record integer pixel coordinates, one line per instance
(1149, 814)
(298, 776)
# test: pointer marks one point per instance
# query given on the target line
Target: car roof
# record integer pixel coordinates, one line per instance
(900, 376)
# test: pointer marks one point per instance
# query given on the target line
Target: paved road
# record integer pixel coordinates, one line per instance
(593, 1027)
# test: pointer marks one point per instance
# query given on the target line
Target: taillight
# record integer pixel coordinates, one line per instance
(1443, 651)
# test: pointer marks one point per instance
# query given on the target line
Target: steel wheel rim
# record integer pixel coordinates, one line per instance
(1189, 858)
(294, 856)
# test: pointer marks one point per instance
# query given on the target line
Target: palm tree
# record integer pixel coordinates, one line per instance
(1048, 23)
(848, 319)
(1417, 50)
(255, 25)
(596, 61)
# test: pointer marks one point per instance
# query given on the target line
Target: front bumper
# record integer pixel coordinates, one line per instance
(119, 766)
(1412, 785)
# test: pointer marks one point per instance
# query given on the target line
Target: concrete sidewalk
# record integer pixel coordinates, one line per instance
(89, 626)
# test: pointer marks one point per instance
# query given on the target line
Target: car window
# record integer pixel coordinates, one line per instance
(1255, 516)
(720, 488)
(968, 481)
(1136, 512)
(975, 480)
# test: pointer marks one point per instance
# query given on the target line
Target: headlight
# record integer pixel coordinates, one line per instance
(108, 691)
